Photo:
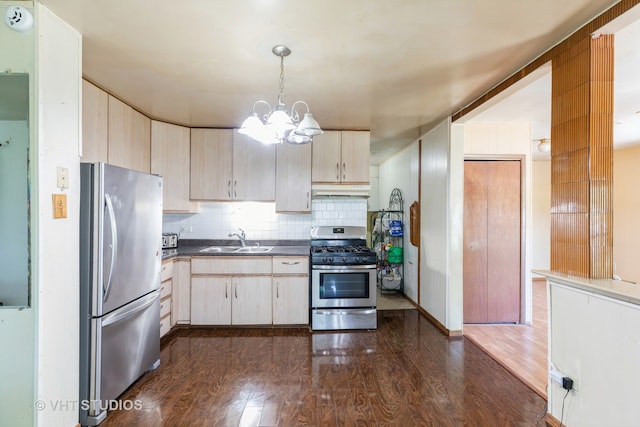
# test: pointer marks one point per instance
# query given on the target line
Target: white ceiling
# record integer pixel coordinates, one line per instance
(530, 100)
(394, 67)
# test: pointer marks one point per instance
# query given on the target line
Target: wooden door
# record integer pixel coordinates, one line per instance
(492, 241)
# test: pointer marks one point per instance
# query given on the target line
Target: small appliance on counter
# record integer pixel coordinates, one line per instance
(169, 240)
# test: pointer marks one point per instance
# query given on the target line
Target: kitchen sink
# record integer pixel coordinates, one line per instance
(254, 249)
(235, 249)
(220, 249)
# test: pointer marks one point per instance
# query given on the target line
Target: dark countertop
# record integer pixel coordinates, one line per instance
(192, 247)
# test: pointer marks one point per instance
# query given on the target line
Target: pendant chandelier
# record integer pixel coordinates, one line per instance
(277, 124)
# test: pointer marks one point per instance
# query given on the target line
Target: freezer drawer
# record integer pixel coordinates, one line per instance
(126, 344)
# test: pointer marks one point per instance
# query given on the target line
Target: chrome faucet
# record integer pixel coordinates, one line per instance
(240, 236)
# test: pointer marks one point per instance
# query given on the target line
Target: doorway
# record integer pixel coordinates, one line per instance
(492, 241)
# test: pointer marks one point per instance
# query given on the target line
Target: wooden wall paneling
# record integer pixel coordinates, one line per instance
(581, 157)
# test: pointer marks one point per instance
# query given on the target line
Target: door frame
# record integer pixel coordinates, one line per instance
(525, 298)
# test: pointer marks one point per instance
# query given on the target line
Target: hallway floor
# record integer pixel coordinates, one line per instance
(522, 349)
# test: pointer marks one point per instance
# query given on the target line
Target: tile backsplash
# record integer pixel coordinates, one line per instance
(216, 220)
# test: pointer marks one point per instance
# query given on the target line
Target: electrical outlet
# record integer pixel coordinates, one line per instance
(557, 377)
(63, 178)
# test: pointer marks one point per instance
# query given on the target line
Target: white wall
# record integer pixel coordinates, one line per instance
(508, 140)
(216, 220)
(17, 330)
(626, 205)
(594, 340)
(57, 262)
(401, 171)
(14, 285)
(541, 215)
(440, 226)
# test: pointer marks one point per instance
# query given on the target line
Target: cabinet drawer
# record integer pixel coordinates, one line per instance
(165, 324)
(231, 265)
(165, 306)
(165, 288)
(167, 270)
(290, 265)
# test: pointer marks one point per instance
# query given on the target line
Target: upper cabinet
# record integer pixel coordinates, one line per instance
(95, 123)
(211, 166)
(293, 178)
(170, 153)
(129, 137)
(226, 165)
(341, 157)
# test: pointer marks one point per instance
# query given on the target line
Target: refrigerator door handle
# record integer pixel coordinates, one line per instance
(114, 244)
(138, 306)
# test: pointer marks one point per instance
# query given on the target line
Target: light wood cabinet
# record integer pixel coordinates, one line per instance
(341, 157)
(211, 296)
(170, 152)
(226, 165)
(95, 123)
(211, 164)
(290, 290)
(231, 290)
(166, 290)
(181, 301)
(129, 137)
(293, 178)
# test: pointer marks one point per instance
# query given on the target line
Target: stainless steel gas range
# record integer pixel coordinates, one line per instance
(343, 279)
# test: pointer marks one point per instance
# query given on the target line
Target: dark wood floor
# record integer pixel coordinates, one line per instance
(406, 373)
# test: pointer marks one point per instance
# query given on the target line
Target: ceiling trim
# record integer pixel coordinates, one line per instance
(589, 28)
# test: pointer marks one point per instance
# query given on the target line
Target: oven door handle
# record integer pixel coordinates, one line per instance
(344, 268)
(350, 312)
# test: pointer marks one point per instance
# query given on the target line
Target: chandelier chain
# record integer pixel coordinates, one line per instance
(281, 94)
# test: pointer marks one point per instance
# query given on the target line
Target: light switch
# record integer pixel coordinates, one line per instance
(59, 205)
(63, 178)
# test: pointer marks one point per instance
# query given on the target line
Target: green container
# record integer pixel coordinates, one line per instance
(394, 254)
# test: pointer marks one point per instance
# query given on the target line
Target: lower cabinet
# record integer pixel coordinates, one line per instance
(250, 290)
(231, 291)
(166, 290)
(290, 290)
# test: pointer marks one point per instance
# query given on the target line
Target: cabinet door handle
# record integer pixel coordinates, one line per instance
(308, 199)
(226, 290)
(338, 171)
(344, 171)
(235, 289)
(291, 262)
(235, 193)
(229, 188)
(277, 290)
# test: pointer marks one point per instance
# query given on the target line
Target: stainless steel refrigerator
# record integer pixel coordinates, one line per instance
(120, 264)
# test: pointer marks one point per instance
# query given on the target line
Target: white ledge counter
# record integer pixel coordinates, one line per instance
(617, 289)
(594, 339)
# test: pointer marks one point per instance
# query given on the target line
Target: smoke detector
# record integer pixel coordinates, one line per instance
(19, 18)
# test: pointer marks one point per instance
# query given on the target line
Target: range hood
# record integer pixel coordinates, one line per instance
(340, 190)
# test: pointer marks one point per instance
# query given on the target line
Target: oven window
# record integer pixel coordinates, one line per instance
(344, 285)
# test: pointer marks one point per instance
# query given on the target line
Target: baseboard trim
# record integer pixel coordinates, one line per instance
(552, 421)
(435, 322)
